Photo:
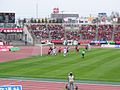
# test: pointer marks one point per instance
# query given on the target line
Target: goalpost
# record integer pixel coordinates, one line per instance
(46, 44)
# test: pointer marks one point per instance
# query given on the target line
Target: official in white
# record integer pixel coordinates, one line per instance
(71, 81)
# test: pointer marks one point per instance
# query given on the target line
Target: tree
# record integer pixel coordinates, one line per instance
(35, 21)
(53, 21)
(46, 20)
(42, 20)
(39, 21)
(31, 20)
(50, 21)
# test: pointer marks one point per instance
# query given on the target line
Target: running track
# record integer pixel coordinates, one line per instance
(43, 85)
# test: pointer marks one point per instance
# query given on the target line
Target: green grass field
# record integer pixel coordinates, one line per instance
(98, 64)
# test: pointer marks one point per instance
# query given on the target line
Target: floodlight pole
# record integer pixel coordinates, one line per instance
(63, 25)
(36, 8)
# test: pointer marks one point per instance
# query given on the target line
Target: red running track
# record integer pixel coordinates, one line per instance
(44, 85)
(24, 52)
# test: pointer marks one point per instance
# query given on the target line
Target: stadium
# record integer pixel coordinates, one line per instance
(39, 53)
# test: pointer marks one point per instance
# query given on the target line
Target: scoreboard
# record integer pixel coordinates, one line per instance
(7, 17)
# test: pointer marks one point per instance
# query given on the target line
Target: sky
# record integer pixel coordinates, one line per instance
(27, 8)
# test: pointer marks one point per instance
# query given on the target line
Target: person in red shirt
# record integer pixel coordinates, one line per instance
(76, 48)
(59, 50)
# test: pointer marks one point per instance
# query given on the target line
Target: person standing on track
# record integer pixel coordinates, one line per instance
(71, 81)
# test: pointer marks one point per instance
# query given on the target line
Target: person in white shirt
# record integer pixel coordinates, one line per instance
(64, 51)
(71, 81)
(89, 47)
(54, 51)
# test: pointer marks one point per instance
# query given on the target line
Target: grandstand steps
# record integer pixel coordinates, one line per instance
(113, 32)
(2, 36)
(96, 36)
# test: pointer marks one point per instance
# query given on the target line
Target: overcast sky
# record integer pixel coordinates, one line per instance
(27, 8)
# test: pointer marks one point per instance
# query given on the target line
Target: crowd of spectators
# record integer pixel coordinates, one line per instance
(72, 35)
(105, 32)
(88, 32)
(54, 31)
(117, 33)
(85, 32)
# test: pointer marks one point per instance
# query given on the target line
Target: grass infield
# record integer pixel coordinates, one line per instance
(102, 64)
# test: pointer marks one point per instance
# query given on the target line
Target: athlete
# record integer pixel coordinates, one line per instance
(54, 51)
(83, 53)
(60, 50)
(65, 51)
(76, 48)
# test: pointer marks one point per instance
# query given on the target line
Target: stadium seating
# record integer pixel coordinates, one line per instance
(105, 32)
(86, 32)
(43, 30)
(117, 33)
